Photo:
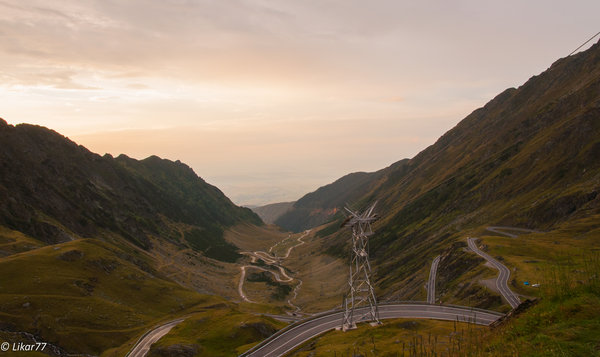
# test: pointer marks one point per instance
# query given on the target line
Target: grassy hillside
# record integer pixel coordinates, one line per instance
(323, 205)
(564, 321)
(189, 198)
(565, 326)
(91, 297)
(98, 295)
(96, 250)
(86, 295)
(566, 265)
(224, 332)
(88, 243)
(528, 158)
(399, 337)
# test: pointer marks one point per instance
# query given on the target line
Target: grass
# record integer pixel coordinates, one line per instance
(86, 295)
(466, 290)
(532, 257)
(211, 243)
(281, 290)
(565, 321)
(222, 332)
(266, 291)
(12, 242)
(566, 264)
(251, 238)
(280, 249)
(561, 324)
(193, 270)
(258, 308)
(324, 278)
(554, 327)
(111, 297)
(398, 337)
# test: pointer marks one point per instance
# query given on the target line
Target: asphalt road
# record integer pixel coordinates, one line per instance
(431, 282)
(502, 279)
(297, 334)
(502, 230)
(143, 345)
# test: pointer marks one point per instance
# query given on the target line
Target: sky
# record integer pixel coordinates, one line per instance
(270, 99)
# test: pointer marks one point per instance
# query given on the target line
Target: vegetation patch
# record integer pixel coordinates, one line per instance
(12, 242)
(399, 337)
(556, 326)
(331, 228)
(211, 243)
(281, 290)
(88, 302)
(566, 320)
(224, 332)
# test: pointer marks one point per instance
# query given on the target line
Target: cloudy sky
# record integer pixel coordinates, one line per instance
(270, 99)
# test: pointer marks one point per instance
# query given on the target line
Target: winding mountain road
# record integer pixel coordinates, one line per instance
(502, 279)
(142, 347)
(431, 281)
(294, 335)
(243, 277)
(273, 261)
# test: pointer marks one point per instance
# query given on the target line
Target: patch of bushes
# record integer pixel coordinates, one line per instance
(211, 243)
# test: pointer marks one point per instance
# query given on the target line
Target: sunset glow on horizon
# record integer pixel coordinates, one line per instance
(269, 100)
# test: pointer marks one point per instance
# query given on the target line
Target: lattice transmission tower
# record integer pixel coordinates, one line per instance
(360, 304)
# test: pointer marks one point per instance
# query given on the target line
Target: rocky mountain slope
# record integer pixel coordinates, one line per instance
(53, 190)
(318, 207)
(269, 213)
(528, 158)
(88, 243)
(94, 250)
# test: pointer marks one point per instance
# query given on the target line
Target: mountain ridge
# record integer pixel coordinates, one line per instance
(102, 237)
(527, 158)
(53, 188)
(271, 212)
(95, 250)
(323, 205)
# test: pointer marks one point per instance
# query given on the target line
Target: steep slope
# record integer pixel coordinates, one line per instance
(86, 295)
(271, 212)
(90, 297)
(96, 250)
(321, 206)
(53, 190)
(528, 158)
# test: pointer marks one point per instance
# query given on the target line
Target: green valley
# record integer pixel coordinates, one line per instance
(96, 252)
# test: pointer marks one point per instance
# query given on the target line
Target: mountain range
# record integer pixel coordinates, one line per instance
(54, 189)
(529, 158)
(95, 250)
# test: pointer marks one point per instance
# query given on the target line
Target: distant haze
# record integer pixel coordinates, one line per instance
(269, 100)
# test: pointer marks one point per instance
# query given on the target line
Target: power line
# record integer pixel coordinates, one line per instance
(584, 44)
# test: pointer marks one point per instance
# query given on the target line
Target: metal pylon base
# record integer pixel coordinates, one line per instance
(347, 327)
